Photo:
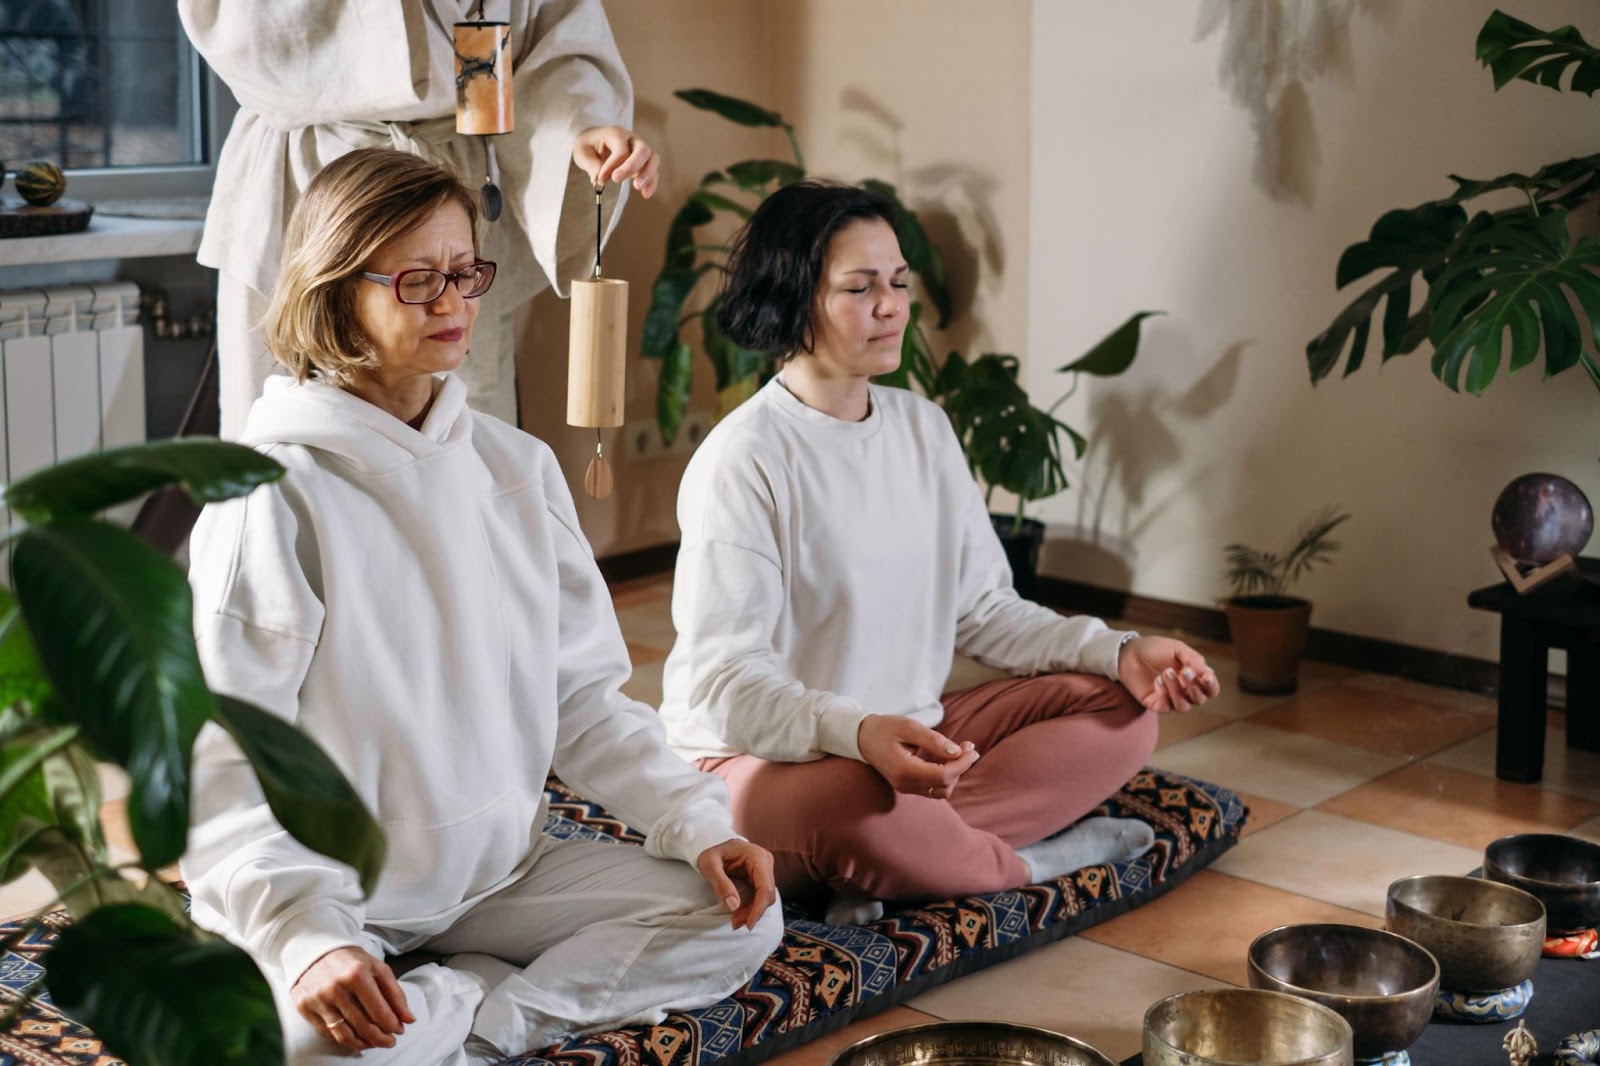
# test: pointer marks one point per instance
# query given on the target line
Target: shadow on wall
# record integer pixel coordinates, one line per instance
(1133, 440)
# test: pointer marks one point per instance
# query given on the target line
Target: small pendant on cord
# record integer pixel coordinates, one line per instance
(597, 480)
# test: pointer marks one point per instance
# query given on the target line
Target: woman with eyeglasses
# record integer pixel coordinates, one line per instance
(415, 594)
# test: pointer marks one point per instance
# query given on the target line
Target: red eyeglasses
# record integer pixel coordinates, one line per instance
(423, 286)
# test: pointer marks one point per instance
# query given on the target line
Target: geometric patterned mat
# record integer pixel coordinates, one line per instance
(822, 977)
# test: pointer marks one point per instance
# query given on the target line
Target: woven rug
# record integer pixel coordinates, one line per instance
(822, 977)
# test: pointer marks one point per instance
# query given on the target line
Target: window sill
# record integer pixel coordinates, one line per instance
(108, 237)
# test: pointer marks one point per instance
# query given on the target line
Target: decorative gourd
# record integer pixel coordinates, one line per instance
(40, 183)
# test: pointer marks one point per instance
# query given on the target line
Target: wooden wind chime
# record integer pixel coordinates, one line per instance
(597, 354)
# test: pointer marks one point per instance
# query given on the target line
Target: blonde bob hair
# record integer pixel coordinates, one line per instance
(353, 207)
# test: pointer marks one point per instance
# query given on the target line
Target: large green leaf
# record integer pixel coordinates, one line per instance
(1411, 242)
(662, 321)
(1115, 351)
(922, 256)
(718, 202)
(22, 675)
(756, 174)
(672, 390)
(730, 107)
(680, 235)
(1514, 279)
(160, 993)
(111, 619)
(1009, 443)
(208, 470)
(308, 794)
(1511, 48)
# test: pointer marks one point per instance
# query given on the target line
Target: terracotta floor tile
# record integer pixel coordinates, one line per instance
(1289, 767)
(1416, 690)
(1376, 720)
(821, 1051)
(114, 783)
(644, 654)
(1459, 806)
(114, 821)
(1576, 773)
(1339, 860)
(1175, 728)
(1264, 812)
(1235, 702)
(648, 593)
(645, 684)
(1207, 923)
(649, 624)
(1075, 986)
(1589, 830)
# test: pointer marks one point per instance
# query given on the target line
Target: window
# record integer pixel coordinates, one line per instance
(109, 86)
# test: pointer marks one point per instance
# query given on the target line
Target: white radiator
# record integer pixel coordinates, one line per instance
(73, 376)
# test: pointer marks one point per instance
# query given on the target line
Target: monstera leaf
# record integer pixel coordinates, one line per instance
(1511, 48)
(1515, 280)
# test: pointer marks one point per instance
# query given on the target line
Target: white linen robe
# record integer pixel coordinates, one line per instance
(318, 78)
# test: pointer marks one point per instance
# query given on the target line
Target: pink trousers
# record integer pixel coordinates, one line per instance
(1052, 748)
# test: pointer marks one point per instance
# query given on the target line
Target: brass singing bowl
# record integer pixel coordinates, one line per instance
(1563, 872)
(1382, 984)
(970, 1044)
(1244, 1027)
(1485, 935)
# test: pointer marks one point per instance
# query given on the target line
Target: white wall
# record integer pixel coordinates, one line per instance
(1142, 197)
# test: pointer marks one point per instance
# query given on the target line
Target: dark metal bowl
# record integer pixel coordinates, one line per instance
(1244, 1027)
(970, 1044)
(1487, 936)
(1382, 984)
(1564, 872)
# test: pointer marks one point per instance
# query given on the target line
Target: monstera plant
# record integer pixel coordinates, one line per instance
(1501, 285)
(98, 663)
(733, 192)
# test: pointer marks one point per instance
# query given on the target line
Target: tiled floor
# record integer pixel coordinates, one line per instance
(1355, 781)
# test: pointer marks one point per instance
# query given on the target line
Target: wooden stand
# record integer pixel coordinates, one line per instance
(1526, 583)
(19, 219)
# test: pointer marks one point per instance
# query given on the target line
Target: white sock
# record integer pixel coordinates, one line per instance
(852, 908)
(1089, 843)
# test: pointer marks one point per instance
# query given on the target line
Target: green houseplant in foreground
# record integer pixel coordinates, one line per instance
(1515, 272)
(98, 662)
(1268, 625)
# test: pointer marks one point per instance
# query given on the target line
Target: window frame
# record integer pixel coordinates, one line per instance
(213, 106)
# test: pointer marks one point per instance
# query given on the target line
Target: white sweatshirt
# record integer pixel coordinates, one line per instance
(423, 604)
(829, 570)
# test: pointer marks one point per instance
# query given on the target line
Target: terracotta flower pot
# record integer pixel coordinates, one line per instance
(1269, 636)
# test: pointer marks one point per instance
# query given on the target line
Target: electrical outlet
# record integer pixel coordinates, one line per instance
(641, 438)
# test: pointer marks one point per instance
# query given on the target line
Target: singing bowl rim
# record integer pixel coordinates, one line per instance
(1485, 883)
(1501, 843)
(1327, 1014)
(1321, 995)
(993, 1026)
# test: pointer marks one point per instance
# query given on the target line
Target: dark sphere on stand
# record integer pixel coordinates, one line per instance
(1541, 517)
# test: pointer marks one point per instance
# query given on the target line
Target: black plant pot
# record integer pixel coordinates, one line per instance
(1022, 550)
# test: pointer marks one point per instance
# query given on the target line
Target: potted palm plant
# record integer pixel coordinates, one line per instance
(1268, 625)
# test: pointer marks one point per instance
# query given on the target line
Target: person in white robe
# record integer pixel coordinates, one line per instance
(316, 79)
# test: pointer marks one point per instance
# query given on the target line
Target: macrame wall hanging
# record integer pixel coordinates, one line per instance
(1271, 50)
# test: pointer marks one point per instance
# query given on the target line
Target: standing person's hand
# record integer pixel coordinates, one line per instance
(611, 153)
(353, 998)
(914, 759)
(1166, 674)
(752, 864)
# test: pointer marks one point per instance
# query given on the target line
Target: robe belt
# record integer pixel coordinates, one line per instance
(423, 138)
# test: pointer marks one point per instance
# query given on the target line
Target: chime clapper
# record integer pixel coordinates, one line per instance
(596, 358)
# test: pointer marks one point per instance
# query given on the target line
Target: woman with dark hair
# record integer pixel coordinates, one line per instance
(835, 554)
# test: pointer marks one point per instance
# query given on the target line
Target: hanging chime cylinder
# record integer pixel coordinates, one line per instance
(597, 353)
(483, 78)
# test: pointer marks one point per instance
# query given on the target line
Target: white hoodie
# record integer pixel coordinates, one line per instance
(423, 604)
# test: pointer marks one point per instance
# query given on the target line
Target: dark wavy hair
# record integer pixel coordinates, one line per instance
(771, 284)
